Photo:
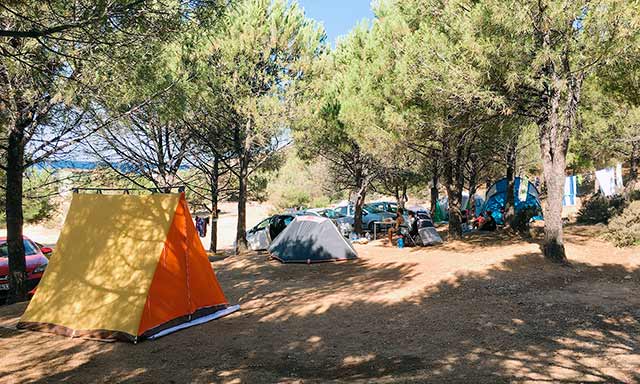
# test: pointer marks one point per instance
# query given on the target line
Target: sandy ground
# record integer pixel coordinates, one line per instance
(489, 309)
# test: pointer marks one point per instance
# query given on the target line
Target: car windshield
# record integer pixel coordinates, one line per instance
(262, 225)
(373, 209)
(334, 215)
(29, 248)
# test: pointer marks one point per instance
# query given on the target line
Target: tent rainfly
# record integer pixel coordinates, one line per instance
(126, 267)
(526, 195)
(311, 239)
(429, 236)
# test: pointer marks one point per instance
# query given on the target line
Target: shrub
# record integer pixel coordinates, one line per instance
(617, 204)
(600, 209)
(624, 229)
(298, 184)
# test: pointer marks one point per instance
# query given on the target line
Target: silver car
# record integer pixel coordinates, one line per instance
(344, 223)
(370, 215)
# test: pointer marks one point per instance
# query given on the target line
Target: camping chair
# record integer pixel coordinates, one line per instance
(405, 231)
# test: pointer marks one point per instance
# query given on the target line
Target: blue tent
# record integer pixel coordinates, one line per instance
(497, 195)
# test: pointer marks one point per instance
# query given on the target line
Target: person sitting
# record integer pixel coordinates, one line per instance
(398, 221)
(489, 223)
(477, 222)
(413, 224)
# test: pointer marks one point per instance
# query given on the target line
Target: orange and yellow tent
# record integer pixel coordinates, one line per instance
(126, 267)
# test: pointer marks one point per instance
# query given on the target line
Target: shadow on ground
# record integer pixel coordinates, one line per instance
(522, 319)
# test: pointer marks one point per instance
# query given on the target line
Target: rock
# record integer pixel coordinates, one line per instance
(628, 277)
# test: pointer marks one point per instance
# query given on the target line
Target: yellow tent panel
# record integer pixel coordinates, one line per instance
(104, 263)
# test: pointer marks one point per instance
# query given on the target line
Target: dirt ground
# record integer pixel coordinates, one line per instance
(488, 309)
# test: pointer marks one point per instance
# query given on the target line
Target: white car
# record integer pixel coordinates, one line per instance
(262, 234)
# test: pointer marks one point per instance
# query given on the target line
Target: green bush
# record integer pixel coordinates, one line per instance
(600, 209)
(624, 229)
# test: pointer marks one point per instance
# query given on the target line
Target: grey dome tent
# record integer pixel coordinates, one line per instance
(311, 239)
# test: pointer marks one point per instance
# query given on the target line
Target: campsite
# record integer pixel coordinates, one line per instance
(306, 191)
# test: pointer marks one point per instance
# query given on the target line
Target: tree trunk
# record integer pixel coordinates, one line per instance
(553, 167)
(403, 198)
(357, 212)
(396, 193)
(455, 213)
(434, 191)
(454, 174)
(509, 204)
(455, 202)
(634, 160)
(554, 142)
(241, 229)
(213, 244)
(361, 195)
(241, 144)
(14, 215)
(554, 134)
(473, 187)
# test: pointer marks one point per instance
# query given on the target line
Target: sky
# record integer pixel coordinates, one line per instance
(338, 16)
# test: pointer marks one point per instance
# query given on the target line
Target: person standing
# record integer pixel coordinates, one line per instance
(398, 221)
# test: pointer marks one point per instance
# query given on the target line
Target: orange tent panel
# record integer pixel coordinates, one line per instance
(183, 260)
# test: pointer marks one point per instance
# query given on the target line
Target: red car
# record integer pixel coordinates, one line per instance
(36, 264)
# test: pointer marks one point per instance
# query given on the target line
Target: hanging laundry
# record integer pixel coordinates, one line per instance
(201, 226)
(523, 188)
(607, 180)
(570, 191)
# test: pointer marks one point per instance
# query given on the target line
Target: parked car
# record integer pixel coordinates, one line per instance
(370, 214)
(385, 206)
(392, 207)
(262, 234)
(36, 264)
(46, 251)
(344, 223)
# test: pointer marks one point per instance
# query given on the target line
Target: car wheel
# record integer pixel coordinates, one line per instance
(370, 226)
